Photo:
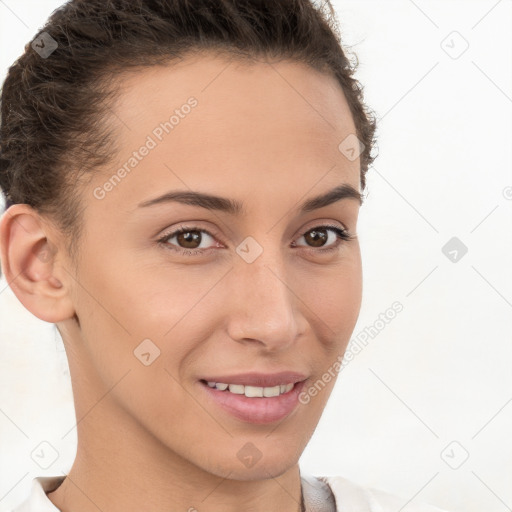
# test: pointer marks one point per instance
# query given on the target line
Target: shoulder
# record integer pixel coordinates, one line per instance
(351, 496)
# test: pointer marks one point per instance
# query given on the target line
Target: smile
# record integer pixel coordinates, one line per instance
(253, 404)
(252, 391)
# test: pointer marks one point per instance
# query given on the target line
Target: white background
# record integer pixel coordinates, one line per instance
(441, 370)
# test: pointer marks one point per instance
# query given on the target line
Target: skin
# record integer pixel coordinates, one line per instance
(148, 439)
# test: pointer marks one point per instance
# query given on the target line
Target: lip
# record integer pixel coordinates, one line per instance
(256, 410)
(262, 380)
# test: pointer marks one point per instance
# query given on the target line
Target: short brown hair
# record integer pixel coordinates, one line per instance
(53, 129)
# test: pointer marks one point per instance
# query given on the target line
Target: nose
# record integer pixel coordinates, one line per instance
(262, 307)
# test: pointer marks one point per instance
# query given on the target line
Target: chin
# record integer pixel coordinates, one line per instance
(264, 468)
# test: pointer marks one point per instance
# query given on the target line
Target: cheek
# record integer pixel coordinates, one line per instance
(119, 307)
(136, 331)
(334, 295)
(346, 299)
(159, 316)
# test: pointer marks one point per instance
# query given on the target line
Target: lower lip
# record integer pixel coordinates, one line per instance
(258, 410)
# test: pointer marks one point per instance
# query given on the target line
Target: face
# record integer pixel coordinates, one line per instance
(261, 289)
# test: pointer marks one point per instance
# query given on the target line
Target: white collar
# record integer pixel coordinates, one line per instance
(37, 499)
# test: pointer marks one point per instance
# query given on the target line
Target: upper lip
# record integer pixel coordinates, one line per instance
(259, 379)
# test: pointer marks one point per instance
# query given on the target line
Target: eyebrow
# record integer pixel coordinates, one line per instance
(235, 207)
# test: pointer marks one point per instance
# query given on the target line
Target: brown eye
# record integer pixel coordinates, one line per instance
(189, 239)
(316, 237)
(319, 237)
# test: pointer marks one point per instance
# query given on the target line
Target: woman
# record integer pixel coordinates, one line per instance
(183, 182)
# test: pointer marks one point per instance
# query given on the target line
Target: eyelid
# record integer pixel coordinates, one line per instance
(324, 224)
(183, 226)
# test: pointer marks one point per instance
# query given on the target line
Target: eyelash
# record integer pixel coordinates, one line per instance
(343, 235)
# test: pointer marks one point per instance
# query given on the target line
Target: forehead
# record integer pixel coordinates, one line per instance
(234, 124)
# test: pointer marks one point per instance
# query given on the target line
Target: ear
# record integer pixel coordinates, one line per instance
(32, 264)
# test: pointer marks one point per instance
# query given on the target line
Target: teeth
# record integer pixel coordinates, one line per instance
(238, 389)
(252, 391)
(275, 391)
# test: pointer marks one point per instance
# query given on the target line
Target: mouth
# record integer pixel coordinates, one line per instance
(254, 404)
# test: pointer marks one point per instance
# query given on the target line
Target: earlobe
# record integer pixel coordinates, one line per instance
(29, 262)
